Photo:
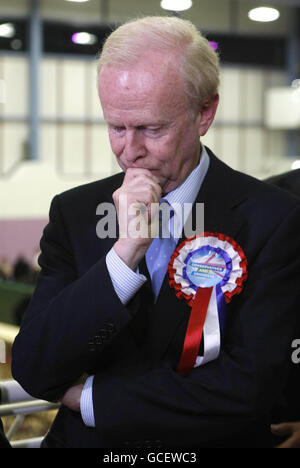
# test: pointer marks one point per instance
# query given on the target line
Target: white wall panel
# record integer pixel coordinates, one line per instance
(230, 151)
(254, 152)
(48, 143)
(229, 107)
(48, 89)
(72, 85)
(15, 74)
(69, 92)
(103, 159)
(73, 149)
(14, 139)
(95, 110)
(252, 94)
(276, 144)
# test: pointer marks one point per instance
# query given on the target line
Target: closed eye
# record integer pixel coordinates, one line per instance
(152, 131)
(116, 129)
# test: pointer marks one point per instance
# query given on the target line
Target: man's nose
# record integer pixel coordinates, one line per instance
(134, 145)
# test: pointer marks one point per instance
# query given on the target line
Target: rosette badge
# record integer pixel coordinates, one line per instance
(206, 271)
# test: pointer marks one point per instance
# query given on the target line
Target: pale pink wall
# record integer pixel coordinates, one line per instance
(20, 237)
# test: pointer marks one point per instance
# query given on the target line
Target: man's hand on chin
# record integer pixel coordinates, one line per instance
(71, 398)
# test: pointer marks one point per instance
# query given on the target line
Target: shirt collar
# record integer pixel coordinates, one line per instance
(187, 192)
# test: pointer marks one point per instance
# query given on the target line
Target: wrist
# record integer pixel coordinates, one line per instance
(131, 251)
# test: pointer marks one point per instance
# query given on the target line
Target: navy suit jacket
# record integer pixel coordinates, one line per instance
(77, 325)
(288, 407)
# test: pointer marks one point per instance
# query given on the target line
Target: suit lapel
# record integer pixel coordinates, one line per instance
(220, 193)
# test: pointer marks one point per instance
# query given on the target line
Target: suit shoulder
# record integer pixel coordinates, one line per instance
(241, 189)
(288, 181)
(103, 188)
(264, 190)
(81, 202)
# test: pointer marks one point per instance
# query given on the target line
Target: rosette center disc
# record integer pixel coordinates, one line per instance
(207, 267)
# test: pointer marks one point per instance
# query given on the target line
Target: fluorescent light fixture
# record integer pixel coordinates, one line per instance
(84, 38)
(263, 14)
(7, 30)
(77, 1)
(296, 164)
(176, 5)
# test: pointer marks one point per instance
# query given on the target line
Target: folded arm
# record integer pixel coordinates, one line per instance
(55, 345)
(222, 397)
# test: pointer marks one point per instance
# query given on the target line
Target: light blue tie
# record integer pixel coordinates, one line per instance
(159, 253)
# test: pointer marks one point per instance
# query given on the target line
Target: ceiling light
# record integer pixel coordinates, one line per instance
(77, 1)
(84, 38)
(214, 45)
(176, 5)
(7, 30)
(296, 164)
(263, 14)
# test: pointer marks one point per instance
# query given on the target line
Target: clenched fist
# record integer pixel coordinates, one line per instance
(137, 202)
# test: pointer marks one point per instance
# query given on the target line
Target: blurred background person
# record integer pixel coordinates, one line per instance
(287, 413)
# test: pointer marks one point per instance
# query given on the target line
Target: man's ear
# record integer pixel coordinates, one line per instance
(207, 114)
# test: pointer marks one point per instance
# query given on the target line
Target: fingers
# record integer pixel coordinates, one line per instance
(134, 173)
(282, 429)
(143, 184)
(291, 442)
(136, 203)
(291, 430)
(140, 188)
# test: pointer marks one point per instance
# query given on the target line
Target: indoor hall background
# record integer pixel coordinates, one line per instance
(64, 120)
(52, 133)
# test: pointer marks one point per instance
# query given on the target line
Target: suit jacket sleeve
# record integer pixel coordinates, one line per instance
(58, 339)
(222, 397)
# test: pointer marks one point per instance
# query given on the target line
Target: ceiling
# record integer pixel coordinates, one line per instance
(277, 2)
(224, 21)
(224, 16)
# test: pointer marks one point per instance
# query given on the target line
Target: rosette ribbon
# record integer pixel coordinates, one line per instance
(206, 271)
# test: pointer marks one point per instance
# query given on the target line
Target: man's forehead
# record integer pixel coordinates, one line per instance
(127, 78)
(146, 87)
(146, 68)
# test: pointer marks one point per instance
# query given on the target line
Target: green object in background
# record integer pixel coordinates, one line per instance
(11, 296)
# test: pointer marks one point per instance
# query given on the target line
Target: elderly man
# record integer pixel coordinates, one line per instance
(181, 340)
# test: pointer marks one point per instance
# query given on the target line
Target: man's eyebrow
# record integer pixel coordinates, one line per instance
(150, 123)
(155, 123)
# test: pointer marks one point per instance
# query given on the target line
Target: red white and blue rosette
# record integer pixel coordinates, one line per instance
(206, 271)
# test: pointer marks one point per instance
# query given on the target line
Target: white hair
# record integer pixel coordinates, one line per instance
(199, 62)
